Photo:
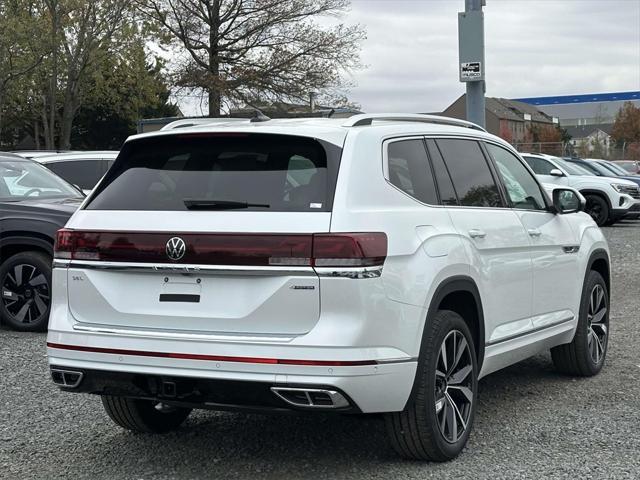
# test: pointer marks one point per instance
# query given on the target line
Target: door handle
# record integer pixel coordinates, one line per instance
(534, 232)
(476, 233)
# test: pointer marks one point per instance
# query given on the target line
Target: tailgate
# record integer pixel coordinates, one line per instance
(236, 282)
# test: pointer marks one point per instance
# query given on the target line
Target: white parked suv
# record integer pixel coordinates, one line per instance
(609, 199)
(378, 264)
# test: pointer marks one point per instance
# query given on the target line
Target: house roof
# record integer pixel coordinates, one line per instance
(514, 110)
(583, 131)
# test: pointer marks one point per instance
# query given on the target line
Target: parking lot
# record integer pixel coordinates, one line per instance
(531, 423)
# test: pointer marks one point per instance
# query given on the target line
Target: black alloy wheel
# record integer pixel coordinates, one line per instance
(25, 279)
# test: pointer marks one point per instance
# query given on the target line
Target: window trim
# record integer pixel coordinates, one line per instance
(543, 192)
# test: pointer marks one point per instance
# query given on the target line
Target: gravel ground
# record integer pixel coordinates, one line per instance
(531, 422)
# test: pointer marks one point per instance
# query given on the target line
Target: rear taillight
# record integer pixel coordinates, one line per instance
(349, 249)
(321, 250)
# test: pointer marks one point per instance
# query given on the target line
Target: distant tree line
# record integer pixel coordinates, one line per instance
(79, 74)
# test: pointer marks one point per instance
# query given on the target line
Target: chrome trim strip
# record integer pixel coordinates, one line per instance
(528, 332)
(185, 269)
(397, 360)
(181, 334)
(349, 272)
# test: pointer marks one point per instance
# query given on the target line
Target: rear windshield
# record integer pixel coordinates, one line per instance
(244, 172)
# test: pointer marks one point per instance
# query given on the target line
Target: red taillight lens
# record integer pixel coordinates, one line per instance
(349, 249)
(321, 250)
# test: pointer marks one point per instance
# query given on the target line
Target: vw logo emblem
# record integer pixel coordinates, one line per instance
(176, 248)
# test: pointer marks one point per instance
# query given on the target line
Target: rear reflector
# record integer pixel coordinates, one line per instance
(322, 250)
(214, 358)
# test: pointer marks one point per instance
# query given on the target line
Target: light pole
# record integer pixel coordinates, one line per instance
(471, 53)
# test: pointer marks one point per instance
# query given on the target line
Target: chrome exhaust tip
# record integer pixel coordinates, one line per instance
(66, 378)
(311, 397)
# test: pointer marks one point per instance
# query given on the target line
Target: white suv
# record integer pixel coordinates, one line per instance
(609, 199)
(382, 263)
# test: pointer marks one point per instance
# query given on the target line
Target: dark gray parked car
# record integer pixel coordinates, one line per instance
(34, 204)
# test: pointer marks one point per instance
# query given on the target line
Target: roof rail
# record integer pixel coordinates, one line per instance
(368, 118)
(196, 122)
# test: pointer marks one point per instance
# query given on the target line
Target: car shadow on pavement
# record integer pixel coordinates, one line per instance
(316, 445)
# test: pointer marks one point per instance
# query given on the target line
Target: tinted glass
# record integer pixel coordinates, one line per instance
(409, 170)
(20, 180)
(631, 167)
(572, 168)
(470, 173)
(613, 168)
(539, 166)
(522, 188)
(83, 173)
(445, 186)
(220, 172)
(592, 168)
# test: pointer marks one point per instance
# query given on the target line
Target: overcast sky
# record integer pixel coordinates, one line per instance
(533, 48)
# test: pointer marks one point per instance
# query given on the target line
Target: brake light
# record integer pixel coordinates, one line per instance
(349, 249)
(321, 250)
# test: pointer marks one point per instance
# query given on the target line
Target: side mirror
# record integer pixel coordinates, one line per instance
(567, 200)
(556, 172)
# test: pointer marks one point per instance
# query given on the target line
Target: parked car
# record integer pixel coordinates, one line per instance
(34, 204)
(83, 169)
(631, 166)
(34, 154)
(612, 169)
(379, 264)
(608, 199)
(603, 168)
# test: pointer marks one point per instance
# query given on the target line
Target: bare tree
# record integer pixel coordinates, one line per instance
(258, 50)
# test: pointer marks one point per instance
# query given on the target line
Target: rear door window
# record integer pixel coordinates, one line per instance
(409, 170)
(83, 173)
(470, 173)
(539, 165)
(221, 171)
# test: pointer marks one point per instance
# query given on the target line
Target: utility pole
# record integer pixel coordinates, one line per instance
(471, 53)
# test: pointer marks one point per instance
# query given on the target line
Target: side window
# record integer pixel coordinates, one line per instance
(469, 170)
(409, 170)
(539, 165)
(83, 173)
(445, 186)
(522, 188)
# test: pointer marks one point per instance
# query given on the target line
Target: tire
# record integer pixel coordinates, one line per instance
(144, 416)
(598, 208)
(416, 432)
(25, 301)
(585, 355)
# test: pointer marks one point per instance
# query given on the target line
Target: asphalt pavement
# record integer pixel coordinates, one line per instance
(531, 421)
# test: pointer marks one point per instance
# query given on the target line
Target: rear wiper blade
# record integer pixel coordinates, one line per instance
(220, 205)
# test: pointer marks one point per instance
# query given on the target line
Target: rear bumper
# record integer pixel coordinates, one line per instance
(235, 382)
(203, 393)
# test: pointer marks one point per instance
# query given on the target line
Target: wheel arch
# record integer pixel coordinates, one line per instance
(17, 242)
(455, 293)
(598, 193)
(599, 261)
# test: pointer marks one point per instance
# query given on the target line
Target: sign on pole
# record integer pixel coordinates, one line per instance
(471, 46)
